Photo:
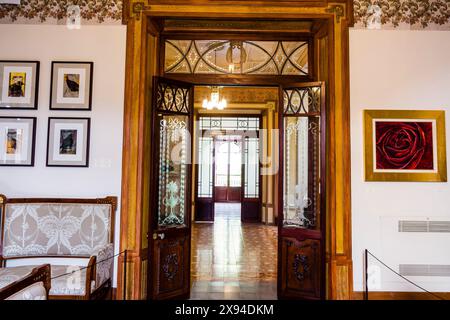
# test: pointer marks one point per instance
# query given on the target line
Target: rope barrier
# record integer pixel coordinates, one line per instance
(87, 267)
(403, 277)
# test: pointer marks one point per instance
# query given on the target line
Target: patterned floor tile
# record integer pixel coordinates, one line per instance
(232, 260)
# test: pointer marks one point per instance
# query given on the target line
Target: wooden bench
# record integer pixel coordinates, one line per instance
(67, 231)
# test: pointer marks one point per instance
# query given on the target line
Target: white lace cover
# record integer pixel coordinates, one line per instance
(35, 291)
(55, 229)
(10, 275)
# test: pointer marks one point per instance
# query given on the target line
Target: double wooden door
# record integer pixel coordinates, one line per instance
(228, 169)
(301, 205)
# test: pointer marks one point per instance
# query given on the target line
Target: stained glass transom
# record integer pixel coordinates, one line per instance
(236, 57)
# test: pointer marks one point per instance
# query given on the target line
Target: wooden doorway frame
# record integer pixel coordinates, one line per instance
(139, 69)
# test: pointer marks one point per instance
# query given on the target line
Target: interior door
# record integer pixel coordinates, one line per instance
(301, 253)
(170, 223)
(228, 168)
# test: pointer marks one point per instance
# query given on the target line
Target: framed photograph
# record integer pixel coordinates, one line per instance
(17, 141)
(71, 86)
(403, 145)
(19, 84)
(68, 142)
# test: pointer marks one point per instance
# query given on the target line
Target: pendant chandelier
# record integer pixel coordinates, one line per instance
(215, 102)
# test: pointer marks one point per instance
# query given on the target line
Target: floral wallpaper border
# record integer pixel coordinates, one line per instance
(372, 14)
(55, 11)
(402, 14)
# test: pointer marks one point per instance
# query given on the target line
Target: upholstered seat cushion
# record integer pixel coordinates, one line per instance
(13, 274)
(66, 280)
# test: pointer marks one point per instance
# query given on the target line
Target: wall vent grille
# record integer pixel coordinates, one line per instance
(424, 270)
(424, 226)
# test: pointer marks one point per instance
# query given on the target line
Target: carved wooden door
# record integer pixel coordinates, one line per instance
(301, 242)
(170, 194)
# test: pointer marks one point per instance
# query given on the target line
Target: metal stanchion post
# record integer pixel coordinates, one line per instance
(125, 275)
(366, 267)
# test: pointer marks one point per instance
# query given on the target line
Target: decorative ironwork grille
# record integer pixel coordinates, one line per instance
(172, 98)
(298, 101)
(236, 57)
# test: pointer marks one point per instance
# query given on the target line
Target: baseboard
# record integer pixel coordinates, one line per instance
(394, 295)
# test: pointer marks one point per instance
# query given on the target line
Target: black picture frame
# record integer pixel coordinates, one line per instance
(33, 142)
(85, 163)
(53, 83)
(34, 94)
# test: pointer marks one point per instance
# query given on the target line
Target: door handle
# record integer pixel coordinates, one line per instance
(159, 235)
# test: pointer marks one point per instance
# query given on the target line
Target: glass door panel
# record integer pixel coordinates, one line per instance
(301, 172)
(251, 160)
(235, 147)
(222, 157)
(205, 167)
(173, 183)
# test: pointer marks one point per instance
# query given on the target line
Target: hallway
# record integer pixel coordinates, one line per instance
(231, 260)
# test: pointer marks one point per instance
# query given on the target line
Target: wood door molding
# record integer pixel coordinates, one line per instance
(339, 16)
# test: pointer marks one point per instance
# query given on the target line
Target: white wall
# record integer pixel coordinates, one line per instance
(105, 46)
(398, 70)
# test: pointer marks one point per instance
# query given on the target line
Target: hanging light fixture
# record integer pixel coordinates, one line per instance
(215, 102)
(236, 56)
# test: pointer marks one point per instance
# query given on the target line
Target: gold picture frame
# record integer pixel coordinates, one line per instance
(399, 144)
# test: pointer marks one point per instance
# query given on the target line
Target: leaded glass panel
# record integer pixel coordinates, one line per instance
(173, 169)
(236, 57)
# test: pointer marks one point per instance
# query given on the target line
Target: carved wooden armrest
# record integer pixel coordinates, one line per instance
(22, 288)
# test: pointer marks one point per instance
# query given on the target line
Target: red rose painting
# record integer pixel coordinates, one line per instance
(404, 145)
